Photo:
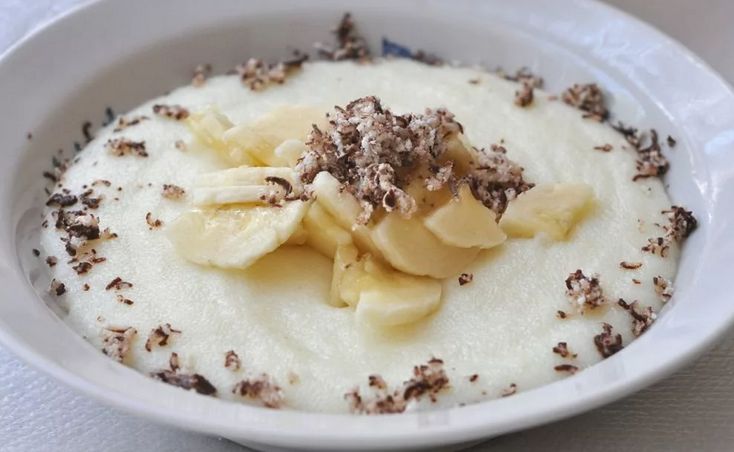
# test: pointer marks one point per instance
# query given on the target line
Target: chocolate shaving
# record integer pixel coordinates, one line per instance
(171, 191)
(570, 368)
(606, 148)
(651, 162)
(189, 382)
(465, 278)
(474, 378)
(36, 252)
(232, 361)
(629, 133)
(257, 74)
(264, 389)
(173, 362)
(671, 141)
(123, 300)
(630, 265)
(82, 268)
(351, 45)
(106, 183)
(176, 112)
(122, 146)
(376, 381)
(562, 349)
(512, 390)
(123, 123)
(118, 284)
(201, 72)
(88, 137)
(561, 315)
(153, 223)
(663, 288)
(159, 336)
(522, 75)
(682, 223)
(589, 98)
(58, 199)
(427, 58)
(585, 293)
(51, 261)
(659, 246)
(282, 182)
(57, 287)
(116, 343)
(608, 343)
(641, 320)
(524, 96)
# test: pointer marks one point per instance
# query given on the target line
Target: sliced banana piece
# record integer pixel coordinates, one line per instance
(234, 237)
(346, 255)
(209, 127)
(410, 247)
(384, 297)
(261, 137)
(345, 209)
(465, 222)
(550, 208)
(245, 184)
(290, 151)
(299, 237)
(324, 234)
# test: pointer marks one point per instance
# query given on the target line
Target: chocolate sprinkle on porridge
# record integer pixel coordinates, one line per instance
(474, 378)
(659, 246)
(636, 281)
(367, 147)
(123, 300)
(606, 148)
(652, 162)
(512, 390)
(561, 315)
(36, 252)
(123, 123)
(671, 142)
(629, 133)
(428, 380)
(186, 381)
(106, 183)
(180, 145)
(607, 343)
(122, 146)
(641, 320)
(176, 112)
(153, 223)
(85, 287)
(257, 74)
(427, 58)
(171, 191)
(663, 288)
(465, 278)
(51, 261)
(57, 287)
(232, 361)
(682, 223)
(88, 137)
(118, 284)
(264, 388)
(173, 362)
(524, 96)
(117, 341)
(82, 268)
(275, 180)
(201, 72)
(630, 265)
(475, 81)
(351, 45)
(159, 336)
(570, 368)
(522, 75)
(58, 199)
(376, 381)
(585, 293)
(589, 98)
(562, 349)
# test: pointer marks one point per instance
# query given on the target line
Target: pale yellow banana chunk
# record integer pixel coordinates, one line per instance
(245, 184)
(260, 138)
(209, 127)
(234, 237)
(346, 255)
(324, 234)
(345, 209)
(384, 297)
(410, 247)
(550, 208)
(465, 222)
(299, 237)
(290, 151)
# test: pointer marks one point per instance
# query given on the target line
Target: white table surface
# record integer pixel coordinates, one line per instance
(691, 411)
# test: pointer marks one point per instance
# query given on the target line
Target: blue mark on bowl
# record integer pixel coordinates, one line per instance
(395, 49)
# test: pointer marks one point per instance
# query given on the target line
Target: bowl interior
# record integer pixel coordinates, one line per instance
(74, 70)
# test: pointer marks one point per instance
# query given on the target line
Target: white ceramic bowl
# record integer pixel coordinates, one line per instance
(118, 54)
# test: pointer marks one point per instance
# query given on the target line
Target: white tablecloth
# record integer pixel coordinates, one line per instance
(691, 411)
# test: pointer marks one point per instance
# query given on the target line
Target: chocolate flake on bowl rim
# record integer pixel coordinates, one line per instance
(351, 46)
(641, 320)
(570, 368)
(201, 73)
(607, 343)
(587, 97)
(117, 341)
(512, 390)
(188, 382)
(263, 389)
(663, 288)
(159, 336)
(57, 287)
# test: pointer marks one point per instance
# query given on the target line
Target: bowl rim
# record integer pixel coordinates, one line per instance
(467, 423)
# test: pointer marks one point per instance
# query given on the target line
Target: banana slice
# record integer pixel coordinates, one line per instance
(290, 151)
(299, 237)
(260, 138)
(550, 208)
(245, 184)
(345, 256)
(345, 209)
(384, 297)
(465, 223)
(410, 247)
(209, 127)
(234, 237)
(324, 234)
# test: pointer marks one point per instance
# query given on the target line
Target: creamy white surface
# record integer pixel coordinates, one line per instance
(275, 316)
